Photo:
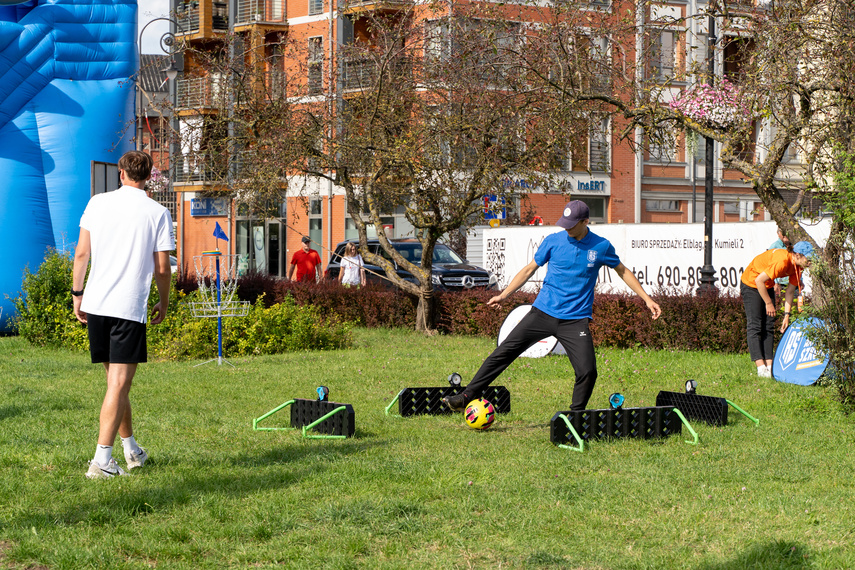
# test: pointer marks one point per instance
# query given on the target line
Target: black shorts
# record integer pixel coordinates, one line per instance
(116, 340)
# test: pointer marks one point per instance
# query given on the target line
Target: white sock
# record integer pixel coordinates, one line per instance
(103, 453)
(130, 445)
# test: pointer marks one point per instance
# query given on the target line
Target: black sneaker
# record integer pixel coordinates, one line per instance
(456, 403)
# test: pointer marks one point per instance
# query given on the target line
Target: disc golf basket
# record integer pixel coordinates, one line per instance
(216, 275)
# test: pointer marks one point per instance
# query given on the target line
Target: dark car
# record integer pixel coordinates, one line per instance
(450, 272)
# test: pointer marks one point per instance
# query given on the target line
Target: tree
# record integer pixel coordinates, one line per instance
(781, 111)
(430, 119)
(833, 334)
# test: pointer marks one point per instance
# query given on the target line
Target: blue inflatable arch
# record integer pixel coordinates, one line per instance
(66, 100)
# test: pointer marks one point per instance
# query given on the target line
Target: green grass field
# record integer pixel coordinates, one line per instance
(425, 492)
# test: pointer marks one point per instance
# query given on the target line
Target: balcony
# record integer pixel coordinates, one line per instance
(195, 170)
(356, 6)
(360, 74)
(260, 11)
(195, 16)
(199, 93)
(187, 16)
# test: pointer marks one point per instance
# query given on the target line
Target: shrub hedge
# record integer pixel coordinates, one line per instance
(297, 316)
(45, 314)
(46, 318)
(689, 322)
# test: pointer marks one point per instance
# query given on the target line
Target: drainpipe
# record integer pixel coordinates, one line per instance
(640, 6)
(693, 11)
(230, 247)
(333, 88)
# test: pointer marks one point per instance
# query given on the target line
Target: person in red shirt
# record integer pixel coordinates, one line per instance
(758, 296)
(307, 262)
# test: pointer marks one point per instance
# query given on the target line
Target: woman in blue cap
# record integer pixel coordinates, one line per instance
(758, 296)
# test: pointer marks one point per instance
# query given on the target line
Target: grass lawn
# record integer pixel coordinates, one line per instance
(425, 492)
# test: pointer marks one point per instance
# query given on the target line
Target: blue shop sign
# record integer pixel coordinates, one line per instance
(209, 206)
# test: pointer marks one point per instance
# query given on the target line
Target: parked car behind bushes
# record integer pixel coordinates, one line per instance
(450, 272)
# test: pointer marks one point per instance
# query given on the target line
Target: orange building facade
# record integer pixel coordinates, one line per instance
(656, 183)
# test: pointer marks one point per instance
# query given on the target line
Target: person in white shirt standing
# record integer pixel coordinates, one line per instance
(352, 270)
(128, 237)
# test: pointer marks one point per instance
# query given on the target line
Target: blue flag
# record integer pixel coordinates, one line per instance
(219, 233)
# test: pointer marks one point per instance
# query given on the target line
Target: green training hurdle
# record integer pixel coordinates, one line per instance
(332, 420)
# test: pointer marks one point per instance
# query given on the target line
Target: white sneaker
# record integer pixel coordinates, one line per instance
(764, 372)
(135, 460)
(96, 471)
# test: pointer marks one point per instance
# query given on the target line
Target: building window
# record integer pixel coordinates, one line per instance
(490, 63)
(596, 208)
(316, 65)
(792, 154)
(561, 159)
(662, 205)
(316, 7)
(276, 78)
(316, 223)
(737, 52)
(731, 208)
(601, 78)
(664, 55)
(597, 4)
(599, 151)
(663, 148)
(698, 150)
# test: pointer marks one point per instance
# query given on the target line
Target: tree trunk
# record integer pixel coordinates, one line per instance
(426, 312)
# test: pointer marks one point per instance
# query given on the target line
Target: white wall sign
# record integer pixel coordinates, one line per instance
(660, 255)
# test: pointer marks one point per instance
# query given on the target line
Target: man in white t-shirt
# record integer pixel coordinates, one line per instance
(128, 237)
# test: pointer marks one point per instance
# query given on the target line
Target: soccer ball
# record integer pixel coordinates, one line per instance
(479, 414)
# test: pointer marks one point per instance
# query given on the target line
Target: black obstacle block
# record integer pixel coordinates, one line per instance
(304, 412)
(707, 409)
(428, 400)
(644, 423)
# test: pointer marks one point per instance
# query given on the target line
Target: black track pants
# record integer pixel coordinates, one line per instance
(760, 326)
(573, 335)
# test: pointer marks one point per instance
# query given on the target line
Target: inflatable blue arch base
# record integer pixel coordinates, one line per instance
(66, 99)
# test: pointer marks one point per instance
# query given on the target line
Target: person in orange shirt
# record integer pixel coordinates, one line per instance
(307, 262)
(758, 296)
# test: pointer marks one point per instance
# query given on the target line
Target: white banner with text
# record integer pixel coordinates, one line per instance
(660, 255)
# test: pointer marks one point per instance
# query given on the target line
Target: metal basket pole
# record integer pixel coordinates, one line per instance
(219, 317)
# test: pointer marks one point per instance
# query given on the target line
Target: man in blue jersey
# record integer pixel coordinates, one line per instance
(562, 309)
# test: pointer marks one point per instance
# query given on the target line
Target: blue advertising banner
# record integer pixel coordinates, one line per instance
(209, 207)
(796, 361)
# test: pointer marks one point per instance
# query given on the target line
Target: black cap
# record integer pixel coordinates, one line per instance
(306, 239)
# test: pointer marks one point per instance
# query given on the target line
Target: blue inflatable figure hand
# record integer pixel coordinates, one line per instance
(66, 101)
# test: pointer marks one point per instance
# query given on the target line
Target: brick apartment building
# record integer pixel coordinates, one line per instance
(656, 183)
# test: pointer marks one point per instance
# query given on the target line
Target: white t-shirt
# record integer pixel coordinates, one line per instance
(126, 228)
(351, 267)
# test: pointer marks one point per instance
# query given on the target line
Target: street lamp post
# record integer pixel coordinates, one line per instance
(707, 279)
(169, 46)
(174, 49)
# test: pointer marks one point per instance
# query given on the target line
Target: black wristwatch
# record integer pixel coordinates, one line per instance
(77, 293)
